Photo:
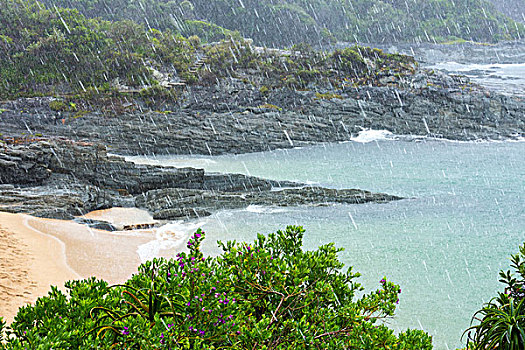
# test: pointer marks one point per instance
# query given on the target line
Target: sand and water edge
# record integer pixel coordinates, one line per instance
(37, 253)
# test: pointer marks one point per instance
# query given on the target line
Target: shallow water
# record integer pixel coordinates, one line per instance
(463, 217)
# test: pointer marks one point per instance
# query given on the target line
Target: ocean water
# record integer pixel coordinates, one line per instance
(464, 214)
(508, 79)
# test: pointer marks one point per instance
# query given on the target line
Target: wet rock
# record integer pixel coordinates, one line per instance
(144, 226)
(97, 224)
(22, 166)
(81, 177)
(41, 203)
(176, 203)
(180, 213)
(232, 119)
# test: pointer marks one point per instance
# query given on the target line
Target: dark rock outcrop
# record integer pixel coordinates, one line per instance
(236, 117)
(175, 203)
(65, 179)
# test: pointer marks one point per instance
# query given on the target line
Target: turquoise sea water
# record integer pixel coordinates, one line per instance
(463, 217)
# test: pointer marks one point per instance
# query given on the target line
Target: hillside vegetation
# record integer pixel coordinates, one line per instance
(55, 51)
(287, 22)
(46, 51)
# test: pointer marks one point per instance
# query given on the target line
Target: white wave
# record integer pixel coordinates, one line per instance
(469, 67)
(369, 135)
(259, 209)
(167, 237)
(171, 161)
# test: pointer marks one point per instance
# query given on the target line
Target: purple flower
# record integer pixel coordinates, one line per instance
(189, 303)
(201, 332)
(382, 281)
(125, 331)
(198, 235)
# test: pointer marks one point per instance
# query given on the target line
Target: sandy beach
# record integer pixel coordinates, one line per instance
(36, 253)
(30, 261)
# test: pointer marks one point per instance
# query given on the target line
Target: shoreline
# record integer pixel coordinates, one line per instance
(38, 253)
(31, 261)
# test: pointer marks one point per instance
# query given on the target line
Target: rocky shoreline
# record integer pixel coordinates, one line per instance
(63, 179)
(55, 163)
(236, 117)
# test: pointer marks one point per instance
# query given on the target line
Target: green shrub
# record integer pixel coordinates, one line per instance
(261, 295)
(327, 96)
(58, 106)
(270, 106)
(264, 90)
(502, 320)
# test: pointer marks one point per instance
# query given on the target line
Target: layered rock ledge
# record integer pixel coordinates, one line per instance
(63, 179)
(240, 117)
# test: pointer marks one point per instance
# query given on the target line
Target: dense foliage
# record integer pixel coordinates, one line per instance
(500, 324)
(284, 23)
(515, 9)
(269, 294)
(301, 67)
(58, 50)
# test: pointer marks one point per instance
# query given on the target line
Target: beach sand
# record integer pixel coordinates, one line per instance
(30, 262)
(36, 253)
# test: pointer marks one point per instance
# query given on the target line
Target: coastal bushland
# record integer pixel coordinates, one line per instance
(59, 52)
(267, 294)
(318, 22)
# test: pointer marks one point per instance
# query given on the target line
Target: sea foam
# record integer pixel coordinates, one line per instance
(168, 237)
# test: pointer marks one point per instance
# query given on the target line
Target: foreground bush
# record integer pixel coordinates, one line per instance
(269, 294)
(500, 324)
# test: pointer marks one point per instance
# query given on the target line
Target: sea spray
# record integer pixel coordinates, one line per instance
(168, 237)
